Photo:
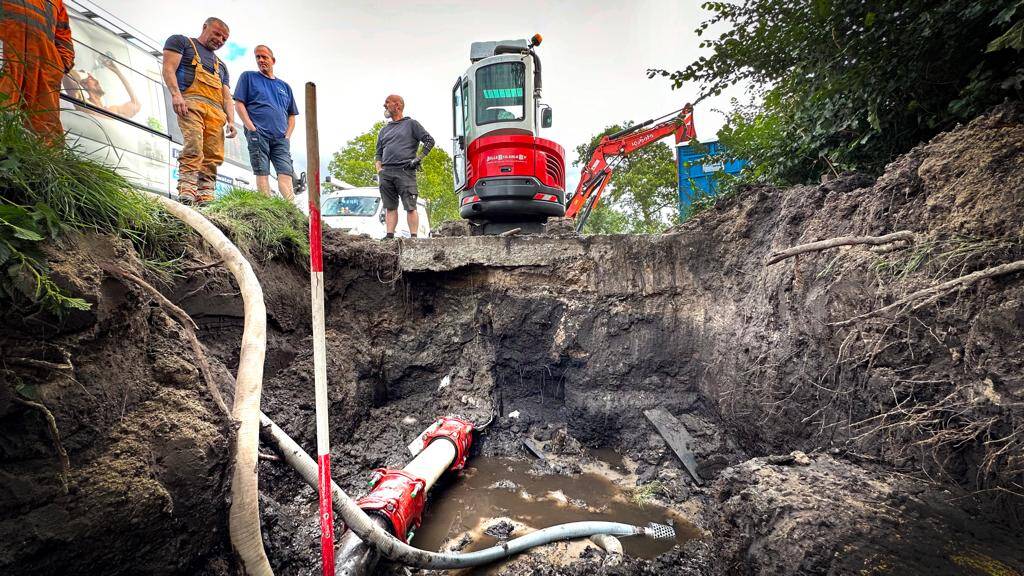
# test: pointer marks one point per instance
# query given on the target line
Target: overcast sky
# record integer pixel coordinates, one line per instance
(594, 54)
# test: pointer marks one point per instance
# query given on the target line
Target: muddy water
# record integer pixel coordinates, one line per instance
(503, 488)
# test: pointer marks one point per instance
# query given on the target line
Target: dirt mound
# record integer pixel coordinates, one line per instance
(828, 516)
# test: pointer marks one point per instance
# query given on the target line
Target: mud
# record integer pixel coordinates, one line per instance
(505, 488)
(912, 425)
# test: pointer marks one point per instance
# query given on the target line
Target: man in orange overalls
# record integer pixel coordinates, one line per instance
(201, 97)
(35, 53)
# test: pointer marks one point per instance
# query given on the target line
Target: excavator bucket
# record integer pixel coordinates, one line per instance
(686, 130)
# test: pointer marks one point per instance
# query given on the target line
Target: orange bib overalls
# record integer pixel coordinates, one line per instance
(202, 130)
(35, 52)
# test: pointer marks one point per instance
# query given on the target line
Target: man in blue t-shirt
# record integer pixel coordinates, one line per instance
(267, 109)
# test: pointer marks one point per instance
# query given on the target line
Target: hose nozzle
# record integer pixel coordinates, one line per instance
(659, 531)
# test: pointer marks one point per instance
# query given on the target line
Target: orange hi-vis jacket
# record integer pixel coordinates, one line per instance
(35, 52)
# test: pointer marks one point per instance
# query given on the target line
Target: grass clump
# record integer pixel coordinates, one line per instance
(642, 495)
(47, 190)
(266, 227)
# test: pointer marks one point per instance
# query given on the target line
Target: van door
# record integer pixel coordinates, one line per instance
(459, 116)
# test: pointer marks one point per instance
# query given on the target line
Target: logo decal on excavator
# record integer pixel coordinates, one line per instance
(507, 158)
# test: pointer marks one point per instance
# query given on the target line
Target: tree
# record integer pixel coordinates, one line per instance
(354, 164)
(643, 189)
(849, 84)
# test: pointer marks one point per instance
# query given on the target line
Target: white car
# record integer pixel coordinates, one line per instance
(359, 211)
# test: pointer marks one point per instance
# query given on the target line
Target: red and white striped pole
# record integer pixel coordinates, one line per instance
(316, 285)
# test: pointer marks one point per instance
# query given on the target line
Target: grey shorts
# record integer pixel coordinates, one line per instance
(398, 183)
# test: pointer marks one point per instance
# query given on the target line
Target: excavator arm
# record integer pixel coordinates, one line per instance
(597, 172)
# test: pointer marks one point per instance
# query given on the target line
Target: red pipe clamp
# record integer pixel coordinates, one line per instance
(457, 431)
(399, 497)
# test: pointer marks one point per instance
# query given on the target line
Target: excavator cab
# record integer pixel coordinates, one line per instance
(504, 172)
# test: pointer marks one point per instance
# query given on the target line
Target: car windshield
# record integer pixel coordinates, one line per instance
(350, 206)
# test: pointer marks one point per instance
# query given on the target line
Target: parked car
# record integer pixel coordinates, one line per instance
(359, 211)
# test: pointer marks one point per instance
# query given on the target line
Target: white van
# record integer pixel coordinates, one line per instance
(359, 211)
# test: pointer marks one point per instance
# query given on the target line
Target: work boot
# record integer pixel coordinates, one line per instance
(187, 198)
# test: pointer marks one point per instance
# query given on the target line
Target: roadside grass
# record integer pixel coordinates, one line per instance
(48, 190)
(265, 227)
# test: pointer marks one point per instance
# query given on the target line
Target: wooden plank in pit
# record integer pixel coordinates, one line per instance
(678, 438)
(534, 448)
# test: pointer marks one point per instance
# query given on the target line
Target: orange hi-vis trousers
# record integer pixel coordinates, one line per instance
(35, 52)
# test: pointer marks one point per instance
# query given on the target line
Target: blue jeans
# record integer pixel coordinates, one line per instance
(266, 150)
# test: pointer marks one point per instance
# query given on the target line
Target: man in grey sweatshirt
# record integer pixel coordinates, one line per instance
(396, 160)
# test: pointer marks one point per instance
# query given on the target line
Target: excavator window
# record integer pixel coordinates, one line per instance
(500, 90)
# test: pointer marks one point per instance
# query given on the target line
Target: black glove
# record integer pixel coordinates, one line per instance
(414, 164)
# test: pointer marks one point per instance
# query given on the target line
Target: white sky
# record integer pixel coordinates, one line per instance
(594, 55)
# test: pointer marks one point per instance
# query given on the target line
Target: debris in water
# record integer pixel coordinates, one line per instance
(502, 529)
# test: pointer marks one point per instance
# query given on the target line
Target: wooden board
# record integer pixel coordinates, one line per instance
(534, 448)
(678, 439)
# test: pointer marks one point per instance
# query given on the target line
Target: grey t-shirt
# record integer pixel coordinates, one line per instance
(398, 142)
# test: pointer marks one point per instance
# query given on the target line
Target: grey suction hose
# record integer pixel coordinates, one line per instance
(394, 549)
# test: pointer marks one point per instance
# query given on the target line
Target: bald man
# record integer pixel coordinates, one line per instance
(398, 156)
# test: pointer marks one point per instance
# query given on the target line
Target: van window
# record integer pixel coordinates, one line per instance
(350, 206)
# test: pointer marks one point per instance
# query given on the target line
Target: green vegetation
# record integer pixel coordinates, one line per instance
(848, 85)
(266, 227)
(642, 495)
(46, 191)
(354, 164)
(642, 197)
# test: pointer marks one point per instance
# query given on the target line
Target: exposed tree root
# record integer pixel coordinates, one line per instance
(40, 364)
(928, 296)
(65, 463)
(904, 235)
(189, 326)
(202, 266)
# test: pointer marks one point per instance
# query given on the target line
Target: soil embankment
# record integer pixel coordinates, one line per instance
(912, 420)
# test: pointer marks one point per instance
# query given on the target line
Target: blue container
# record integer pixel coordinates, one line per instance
(701, 170)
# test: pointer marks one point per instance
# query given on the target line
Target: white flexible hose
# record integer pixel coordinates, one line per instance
(394, 549)
(244, 517)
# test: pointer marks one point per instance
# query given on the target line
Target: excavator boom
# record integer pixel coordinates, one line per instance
(597, 172)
